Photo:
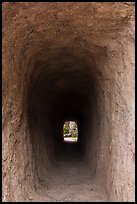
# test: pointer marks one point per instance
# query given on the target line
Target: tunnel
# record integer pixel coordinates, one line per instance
(68, 61)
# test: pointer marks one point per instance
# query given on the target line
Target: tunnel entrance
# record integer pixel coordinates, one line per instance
(70, 131)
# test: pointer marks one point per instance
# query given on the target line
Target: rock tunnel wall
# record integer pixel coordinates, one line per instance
(68, 61)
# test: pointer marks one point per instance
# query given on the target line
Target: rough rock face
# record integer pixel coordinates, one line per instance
(74, 55)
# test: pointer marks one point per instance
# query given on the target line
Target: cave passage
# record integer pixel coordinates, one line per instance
(68, 61)
(63, 89)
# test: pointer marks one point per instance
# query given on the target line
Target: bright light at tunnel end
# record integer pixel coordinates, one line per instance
(70, 132)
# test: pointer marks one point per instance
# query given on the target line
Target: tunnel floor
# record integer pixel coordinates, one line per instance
(71, 179)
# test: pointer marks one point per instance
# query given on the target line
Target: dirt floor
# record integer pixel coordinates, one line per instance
(71, 180)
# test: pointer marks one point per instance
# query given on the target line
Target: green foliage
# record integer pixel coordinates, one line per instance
(70, 131)
(65, 129)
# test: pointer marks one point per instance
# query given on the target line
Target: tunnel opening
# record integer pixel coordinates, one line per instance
(70, 131)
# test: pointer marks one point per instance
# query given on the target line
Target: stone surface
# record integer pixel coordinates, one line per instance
(77, 55)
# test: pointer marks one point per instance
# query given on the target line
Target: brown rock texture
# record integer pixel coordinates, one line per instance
(68, 61)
